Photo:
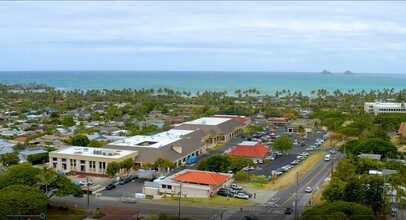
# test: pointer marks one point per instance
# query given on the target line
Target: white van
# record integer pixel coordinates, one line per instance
(327, 158)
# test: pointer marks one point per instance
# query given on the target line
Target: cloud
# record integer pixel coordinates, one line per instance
(259, 30)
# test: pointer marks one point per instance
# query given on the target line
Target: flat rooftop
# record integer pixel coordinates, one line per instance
(94, 152)
(153, 141)
(248, 143)
(385, 104)
(208, 121)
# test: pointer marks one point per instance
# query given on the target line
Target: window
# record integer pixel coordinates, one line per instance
(163, 186)
(169, 186)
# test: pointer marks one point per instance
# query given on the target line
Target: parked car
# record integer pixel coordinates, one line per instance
(247, 193)
(124, 181)
(295, 162)
(309, 149)
(332, 151)
(133, 177)
(78, 195)
(241, 196)
(225, 193)
(260, 161)
(302, 144)
(288, 211)
(110, 186)
(236, 186)
(309, 189)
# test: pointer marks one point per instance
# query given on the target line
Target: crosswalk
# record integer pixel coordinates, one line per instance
(268, 210)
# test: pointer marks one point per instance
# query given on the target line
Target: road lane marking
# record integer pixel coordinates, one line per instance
(305, 185)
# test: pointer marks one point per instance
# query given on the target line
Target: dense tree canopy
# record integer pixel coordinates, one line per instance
(113, 168)
(21, 199)
(282, 143)
(216, 163)
(373, 146)
(338, 210)
(9, 159)
(80, 140)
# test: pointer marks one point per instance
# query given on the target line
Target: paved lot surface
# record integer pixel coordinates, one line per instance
(128, 189)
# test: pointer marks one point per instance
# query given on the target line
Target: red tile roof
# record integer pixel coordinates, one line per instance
(402, 129)
(242, 119)
(202, 177)
(258, 150)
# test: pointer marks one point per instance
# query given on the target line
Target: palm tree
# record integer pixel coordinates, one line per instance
(45, 177)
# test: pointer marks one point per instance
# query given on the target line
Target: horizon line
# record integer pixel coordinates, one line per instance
(207, 71)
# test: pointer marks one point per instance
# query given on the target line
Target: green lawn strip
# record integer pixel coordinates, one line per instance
(64, 213)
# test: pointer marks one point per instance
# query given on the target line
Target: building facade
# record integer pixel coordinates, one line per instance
(384, 107)
(87, 159)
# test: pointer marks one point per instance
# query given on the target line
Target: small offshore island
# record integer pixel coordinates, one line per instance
(325, 72)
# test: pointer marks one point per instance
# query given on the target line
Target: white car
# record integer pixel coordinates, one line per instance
(241, 196)
(309, 189)
(236, 186)
(260, 161)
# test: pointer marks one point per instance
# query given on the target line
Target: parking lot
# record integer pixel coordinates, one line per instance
(128, 189)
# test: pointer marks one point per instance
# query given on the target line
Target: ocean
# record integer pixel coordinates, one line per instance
(199, 81)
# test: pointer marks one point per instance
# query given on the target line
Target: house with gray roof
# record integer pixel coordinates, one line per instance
(23, 155)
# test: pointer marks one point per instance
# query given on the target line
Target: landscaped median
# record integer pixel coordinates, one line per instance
(290, 177)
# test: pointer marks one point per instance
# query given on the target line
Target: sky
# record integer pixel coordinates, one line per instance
(303, 36)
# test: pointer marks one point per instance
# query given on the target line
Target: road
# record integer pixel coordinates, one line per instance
(286, 197)
(145, 208)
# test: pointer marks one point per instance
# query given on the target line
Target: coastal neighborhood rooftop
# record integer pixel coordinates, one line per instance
(155, 141)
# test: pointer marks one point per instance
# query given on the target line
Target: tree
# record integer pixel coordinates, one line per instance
(45, 177)
(127, 164)
(261, 180)
(9, 159)
(113, 168)
(20, 174)
(241, 175)
(80, 140)
(333, 192)
(162, 163)
(38, 158)
(282, 143)
(96, 143)
(215, 163)
(376, 146)
(21, 199)
(62, 186)
(338, 210)
(68, 121)
(344, 170)
(238, 162)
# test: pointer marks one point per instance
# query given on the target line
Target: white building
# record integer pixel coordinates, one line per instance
(87, 159)
(384, 107)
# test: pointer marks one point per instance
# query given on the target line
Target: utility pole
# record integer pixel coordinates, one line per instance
(297, 186)
(180, 197)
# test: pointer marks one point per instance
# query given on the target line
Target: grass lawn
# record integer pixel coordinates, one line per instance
(217, 200)
(316, 198)
(303, 168)
(60, 213)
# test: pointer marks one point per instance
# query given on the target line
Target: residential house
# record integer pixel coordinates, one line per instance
(371, 156)
(23, 155)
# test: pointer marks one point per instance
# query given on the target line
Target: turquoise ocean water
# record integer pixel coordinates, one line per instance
(265, 82)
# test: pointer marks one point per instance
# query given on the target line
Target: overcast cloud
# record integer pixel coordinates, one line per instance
(367, 37)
